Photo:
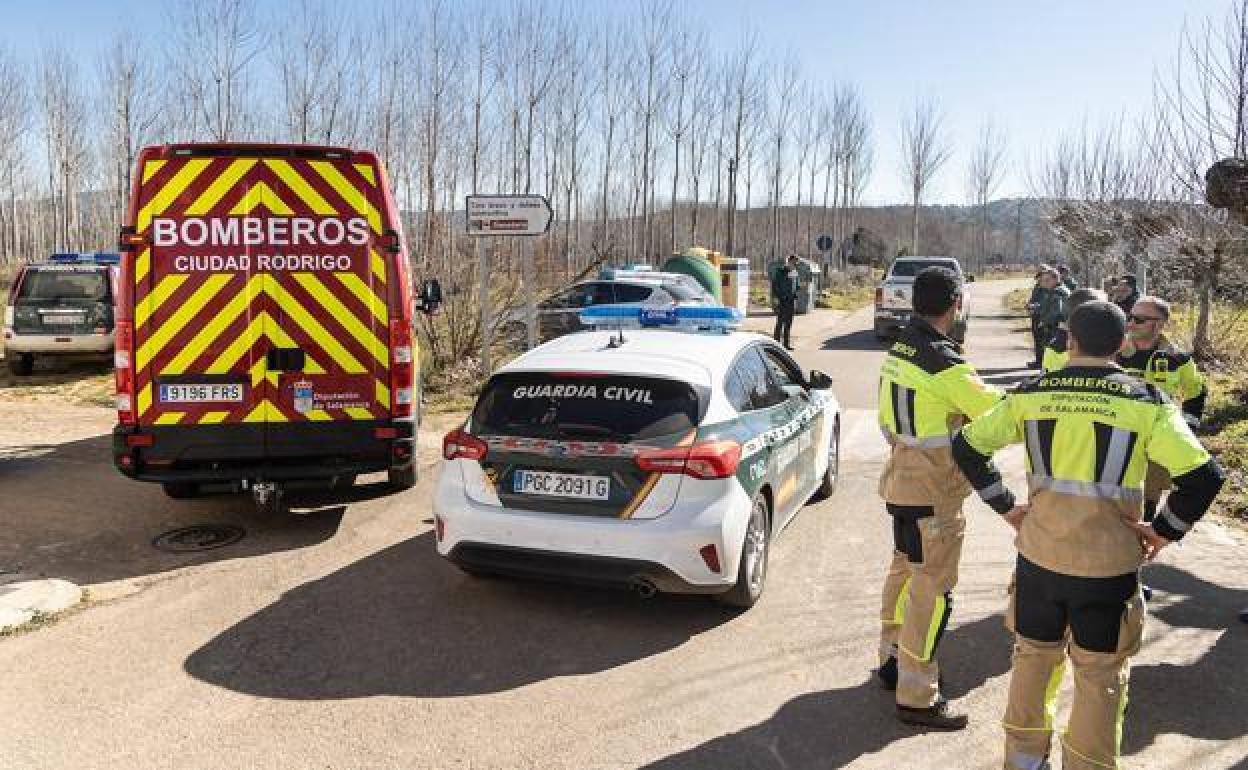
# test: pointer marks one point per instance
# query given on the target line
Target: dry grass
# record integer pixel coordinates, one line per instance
(77, 382)
(846, 297)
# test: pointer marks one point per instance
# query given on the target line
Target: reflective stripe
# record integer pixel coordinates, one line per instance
(1174, 521)
(903, 600)
(929, 442)
(1035, 449)
(1085, 488)
(995, 489)
(903, 403)
(940, 616)
(1117, 456)
(1021, 761)
(1050, 694)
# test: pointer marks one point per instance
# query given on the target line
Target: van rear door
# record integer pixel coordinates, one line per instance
(261, 295)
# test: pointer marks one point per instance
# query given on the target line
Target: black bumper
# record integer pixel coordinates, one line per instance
(581, 569)
(259, 451)
(890, 322)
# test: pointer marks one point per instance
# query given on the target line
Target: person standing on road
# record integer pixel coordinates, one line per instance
(1047, 309)
(1149, 355)
(927, 390)
(1055, 355)
(1088, 430)
(1067, 278)
(785, 283)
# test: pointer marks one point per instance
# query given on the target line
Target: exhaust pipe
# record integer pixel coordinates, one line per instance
(643, 588)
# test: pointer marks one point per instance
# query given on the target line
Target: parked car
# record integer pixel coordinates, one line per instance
(655, 459)
(61, 307)
(560, 313)
(893, 296)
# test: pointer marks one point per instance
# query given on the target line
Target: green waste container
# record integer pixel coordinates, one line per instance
(702, 271)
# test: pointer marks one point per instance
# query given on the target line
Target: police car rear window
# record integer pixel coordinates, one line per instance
(584, 407)
(65, 283)
(909, 269)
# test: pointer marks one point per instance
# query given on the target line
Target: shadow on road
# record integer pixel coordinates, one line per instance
(404, 622)
(66, 512)
(834, 728)
(1205, 699)
(860, 340)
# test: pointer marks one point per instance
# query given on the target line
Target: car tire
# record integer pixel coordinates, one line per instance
(402, 478)
(828, 485)
(21, 364)
(180, 490)
(752, 566)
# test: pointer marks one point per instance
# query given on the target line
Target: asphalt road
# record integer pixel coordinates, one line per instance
(338, 639)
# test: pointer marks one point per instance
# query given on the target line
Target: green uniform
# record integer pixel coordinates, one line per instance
(1090, 432)
(927, 391)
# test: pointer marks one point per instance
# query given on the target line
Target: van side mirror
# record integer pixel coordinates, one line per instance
(818, 380)
(970, 278)
(430, 295)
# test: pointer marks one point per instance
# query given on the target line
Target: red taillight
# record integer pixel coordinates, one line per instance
(123, 363)
(708, 460)
(140, 439)
(710, 555)
(402, 369)
(879, 296)
(385, 433)
(460, 443)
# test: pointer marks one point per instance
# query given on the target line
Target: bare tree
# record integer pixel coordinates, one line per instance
(212, 47)
(653, 29)
(784, 89)
(984, 172)
(129, 91)
(65, 135)
(14, 125)
(924, 150)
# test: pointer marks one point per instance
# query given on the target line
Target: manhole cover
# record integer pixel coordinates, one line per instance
(201, 538)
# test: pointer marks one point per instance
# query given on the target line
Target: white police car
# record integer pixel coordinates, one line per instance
(656, 458)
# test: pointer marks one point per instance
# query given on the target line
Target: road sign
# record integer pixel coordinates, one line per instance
(508, 214)
(825, 242)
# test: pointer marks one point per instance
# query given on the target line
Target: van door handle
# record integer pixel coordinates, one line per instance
(285, 360)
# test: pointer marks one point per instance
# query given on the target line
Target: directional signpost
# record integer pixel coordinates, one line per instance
(507, 215)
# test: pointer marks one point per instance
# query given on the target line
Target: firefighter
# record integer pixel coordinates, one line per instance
(1055, 355)
(1088, 431)
(1149, 355)
(927, 391)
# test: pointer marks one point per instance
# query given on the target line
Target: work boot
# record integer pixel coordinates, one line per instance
(938, 716)
(888, 674)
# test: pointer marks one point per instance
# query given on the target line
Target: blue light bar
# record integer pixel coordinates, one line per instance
(675, 317)
(84, 258)
(64, 258)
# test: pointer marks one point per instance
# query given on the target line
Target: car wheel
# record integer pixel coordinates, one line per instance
(752, 567)
(180, 490)
(21, 364)
(402, 478)
(828, 485)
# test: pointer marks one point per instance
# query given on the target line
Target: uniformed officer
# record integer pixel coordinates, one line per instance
(1055, 355)
(1149, 355)
(1089, 430)
(927, 390)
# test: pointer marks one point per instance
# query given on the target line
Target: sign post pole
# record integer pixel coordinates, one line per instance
(508, 215)
(483, 296)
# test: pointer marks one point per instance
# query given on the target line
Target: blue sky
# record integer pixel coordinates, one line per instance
(1036, 68)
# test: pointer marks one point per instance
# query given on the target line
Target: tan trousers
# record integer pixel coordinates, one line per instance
(1093, 734)
(916, 605)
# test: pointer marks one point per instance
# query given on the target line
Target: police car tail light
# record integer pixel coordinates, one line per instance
(708, 460)
(123, 355)
(460, 443)
(402, 369)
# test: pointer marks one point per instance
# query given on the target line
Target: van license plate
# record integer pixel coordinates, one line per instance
(201, 394)
(573, 485)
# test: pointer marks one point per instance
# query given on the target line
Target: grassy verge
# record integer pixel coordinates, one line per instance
(846, 297)
(80, 383)
(1225, 433)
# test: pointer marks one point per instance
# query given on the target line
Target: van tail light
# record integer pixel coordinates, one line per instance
(402, 369)
(879, 296)
(707, 460)
(123, 363)
(459, 443)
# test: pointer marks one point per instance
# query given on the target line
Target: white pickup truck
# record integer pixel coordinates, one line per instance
(892, 297)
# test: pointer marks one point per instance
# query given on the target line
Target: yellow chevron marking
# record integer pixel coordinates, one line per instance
(366, 171)
(169, 418)
(156, 297)
(306, 321)
(265, 412)
(378, 265)
(180, 318)
(305, 191)
(145, 399)
(257, 372)
(142, 266)
(376, 305)
(318, 415)
(211, 196)
(208, 333)
(344, 316)
(359, 413)
(212, 418)
(382, 393)
(151, 167)
(257, 195)
(170, 192)
(354, 198)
